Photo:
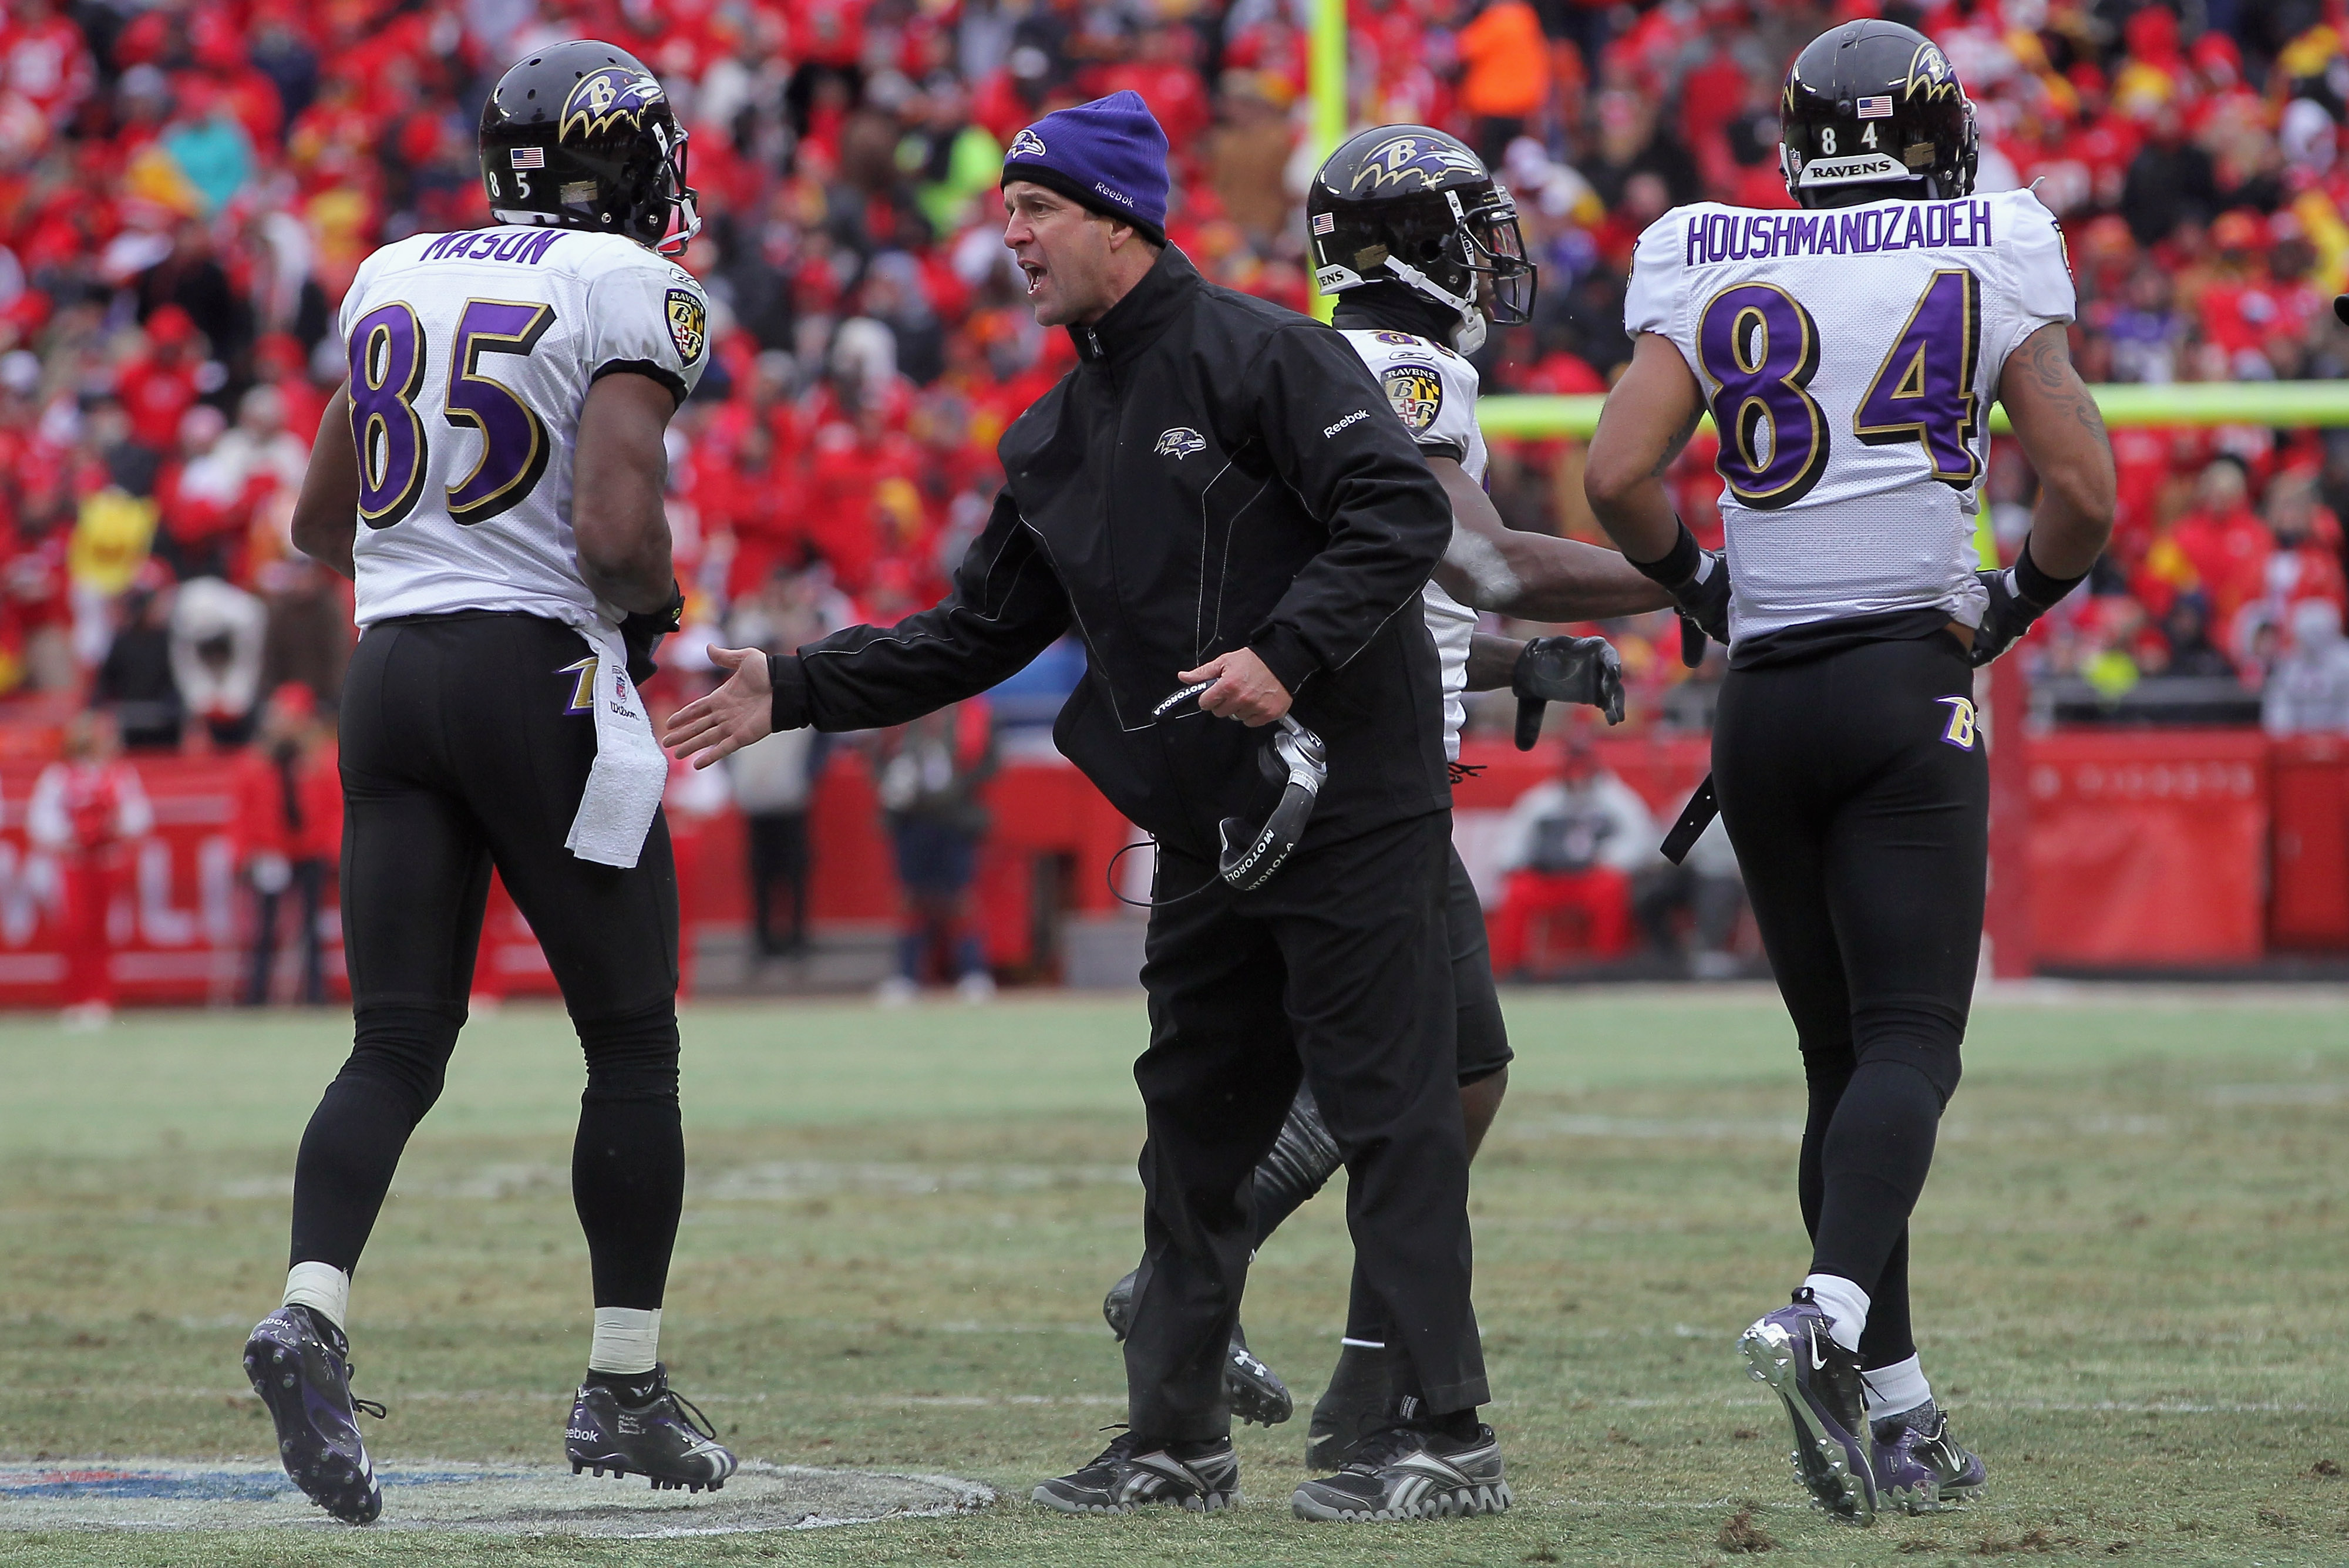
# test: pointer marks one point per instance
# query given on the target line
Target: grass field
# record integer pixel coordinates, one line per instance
(2132, 1277)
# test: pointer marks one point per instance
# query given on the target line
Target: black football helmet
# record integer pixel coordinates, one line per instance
(580, 136)
(1409, 204)
(1872, 110)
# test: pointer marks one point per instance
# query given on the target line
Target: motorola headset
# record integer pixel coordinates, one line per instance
(1297, 760)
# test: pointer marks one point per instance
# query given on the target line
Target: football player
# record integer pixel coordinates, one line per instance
(1848, 351)
(1421, 244)
(490, 476)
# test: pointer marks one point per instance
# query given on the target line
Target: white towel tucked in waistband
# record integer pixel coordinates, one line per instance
(624, 788)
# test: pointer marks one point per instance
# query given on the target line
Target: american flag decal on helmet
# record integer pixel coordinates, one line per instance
(1325, 223)
(530, 157)
(1875, 108)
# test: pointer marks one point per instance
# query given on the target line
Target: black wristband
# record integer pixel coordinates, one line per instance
(2032, 581)
(1679, 564)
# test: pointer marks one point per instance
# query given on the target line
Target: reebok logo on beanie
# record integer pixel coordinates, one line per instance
(1109, 154)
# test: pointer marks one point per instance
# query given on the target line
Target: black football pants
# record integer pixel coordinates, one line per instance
(1341, 967)
(461, 751)
(1856, 791)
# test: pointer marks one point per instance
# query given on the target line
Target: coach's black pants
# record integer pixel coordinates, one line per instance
(461, 751)
(1856, 793)
(1341, 965)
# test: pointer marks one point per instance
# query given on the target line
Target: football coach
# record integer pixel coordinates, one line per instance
(1218, 495)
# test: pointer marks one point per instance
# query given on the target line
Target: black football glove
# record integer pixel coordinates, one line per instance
(1565, 670)
(1698, 580)
(1703, 605)
(641, 632)
(2008, 616)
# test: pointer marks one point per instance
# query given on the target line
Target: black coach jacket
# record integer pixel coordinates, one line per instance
(1217, 472)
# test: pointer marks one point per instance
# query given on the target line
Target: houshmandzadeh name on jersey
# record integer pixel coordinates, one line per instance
(1720, 236)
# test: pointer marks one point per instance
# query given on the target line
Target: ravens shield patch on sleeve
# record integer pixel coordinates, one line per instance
(1417, 393)
(689, 324)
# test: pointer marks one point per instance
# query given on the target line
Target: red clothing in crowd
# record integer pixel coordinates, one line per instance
(86, 813)
(300, 818)
(2230, 554)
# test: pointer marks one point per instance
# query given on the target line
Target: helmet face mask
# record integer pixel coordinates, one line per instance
(1872, 110)
(580, 136)
(1409, 204)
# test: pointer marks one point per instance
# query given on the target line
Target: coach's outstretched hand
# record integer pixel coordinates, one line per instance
(739, 712)
(1583, 669)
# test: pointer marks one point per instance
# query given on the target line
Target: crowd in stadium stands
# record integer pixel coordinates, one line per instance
(186, 187)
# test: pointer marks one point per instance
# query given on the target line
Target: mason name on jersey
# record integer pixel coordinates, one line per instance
(1850, 357)
(471, 355)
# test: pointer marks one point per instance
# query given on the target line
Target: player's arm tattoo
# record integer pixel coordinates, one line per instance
(2047, 357)
(1679, 443)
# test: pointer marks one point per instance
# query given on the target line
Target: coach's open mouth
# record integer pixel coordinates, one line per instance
(1035, 272)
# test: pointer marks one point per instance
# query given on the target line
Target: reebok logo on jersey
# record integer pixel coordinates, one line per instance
(1356, 417)
(1417, 393)
(689, 324)
(1179, 442)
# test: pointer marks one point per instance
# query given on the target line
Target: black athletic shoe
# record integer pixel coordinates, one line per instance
(1819, 1383)
(1407, 1472)
(1132, 1473)
(300, 1365)
(1358, 1401)
(665, 1438)
(1920, 1468)
(1254, 1390)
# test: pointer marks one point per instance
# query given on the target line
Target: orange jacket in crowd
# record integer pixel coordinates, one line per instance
(1507, 60)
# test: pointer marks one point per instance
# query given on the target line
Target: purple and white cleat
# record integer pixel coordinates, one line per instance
(300, 1365)
(664, 1439)
(1819, 1383)
(1920, 1468)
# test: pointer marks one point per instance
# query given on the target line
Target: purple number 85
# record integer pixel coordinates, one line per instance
(388, 356)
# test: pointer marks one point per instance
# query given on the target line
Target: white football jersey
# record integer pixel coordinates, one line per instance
(470, 357)
(1433, 391)
(1850, 356)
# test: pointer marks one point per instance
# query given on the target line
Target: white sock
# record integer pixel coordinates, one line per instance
(627, 1340)
(324, 1289)
(1895, 1389)
(1843, 1301)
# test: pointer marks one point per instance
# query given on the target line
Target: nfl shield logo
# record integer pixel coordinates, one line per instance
(689, 324)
